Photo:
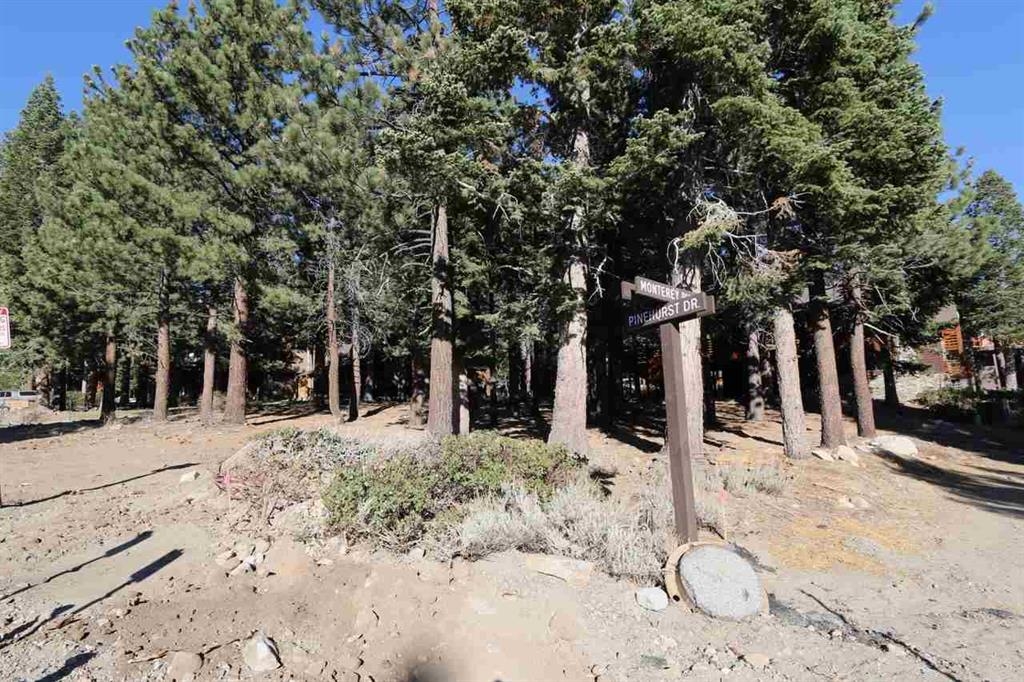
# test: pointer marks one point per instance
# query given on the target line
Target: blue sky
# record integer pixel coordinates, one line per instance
(972, 52)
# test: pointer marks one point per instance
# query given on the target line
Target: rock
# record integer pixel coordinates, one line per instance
(720, 582)
(823, 453)
(861, 503)
(261, 546)
(183, 665)
(303, 519)
(845, 453)
(844, 502)
(417, 553)
(575, 572)
(189, 477)
(652, 598)
(900, 446)
(224, 558)
(260, 653)
(757, 661)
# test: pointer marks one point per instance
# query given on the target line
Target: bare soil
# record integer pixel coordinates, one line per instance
(894, 569)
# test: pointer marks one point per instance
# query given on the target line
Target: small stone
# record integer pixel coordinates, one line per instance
(417, 553)
(861, 503)
(183, 666)
(844, 502)
(260, 653)
(900, 446)
(823, 453)
(261, 546)
(845, 453)
(757, 661)
(652, 598)
(189, 477)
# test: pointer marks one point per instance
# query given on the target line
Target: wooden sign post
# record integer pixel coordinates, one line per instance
(679, 305)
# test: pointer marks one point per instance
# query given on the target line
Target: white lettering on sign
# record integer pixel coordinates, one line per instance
(659, 290)
(670, 311)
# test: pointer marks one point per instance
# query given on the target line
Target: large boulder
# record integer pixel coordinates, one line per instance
(721, 583)
(900, 446)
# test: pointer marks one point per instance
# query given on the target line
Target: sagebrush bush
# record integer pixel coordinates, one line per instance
(393, 499)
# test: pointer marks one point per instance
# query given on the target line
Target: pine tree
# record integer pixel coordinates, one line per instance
(27, 154)
(223, 82)
(989, 298)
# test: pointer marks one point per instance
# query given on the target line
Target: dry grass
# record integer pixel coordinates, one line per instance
(627, 538)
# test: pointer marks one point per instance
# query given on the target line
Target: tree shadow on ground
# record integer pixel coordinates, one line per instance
(169, 467)
(994, 442)
(992, 493)
(23, 432)
(29, 628)
(70, 665)
(144, 535)
(285, 412)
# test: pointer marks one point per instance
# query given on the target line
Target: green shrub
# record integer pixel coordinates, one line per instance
(967, 404)
(394, 498)
(483, 461)
(391, 499)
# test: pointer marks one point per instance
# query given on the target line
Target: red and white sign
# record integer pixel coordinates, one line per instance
(5, 328)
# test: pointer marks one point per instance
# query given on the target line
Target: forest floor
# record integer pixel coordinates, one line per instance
(894, 569)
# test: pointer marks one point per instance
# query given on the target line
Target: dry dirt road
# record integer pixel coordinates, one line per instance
(900, 568)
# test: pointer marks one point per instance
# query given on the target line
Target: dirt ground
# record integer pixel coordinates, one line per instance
(894, 569)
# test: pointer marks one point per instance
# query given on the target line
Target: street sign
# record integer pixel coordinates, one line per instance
(5, 329)
(680, 304)
(689, 305)
(658, 290)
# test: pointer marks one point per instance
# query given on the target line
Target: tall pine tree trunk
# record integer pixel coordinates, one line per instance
(440, 414)
(333, 361)
(357, 368)
(688, 276)
(794, 429)
(892, 398)
(859, 367)
(163, 368)
(828, 375)
(755, 386)
(108, 407)
(209, 366)
(569, 415)
(238, 364)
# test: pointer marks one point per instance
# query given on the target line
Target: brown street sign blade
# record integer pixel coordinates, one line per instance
(692, 305)
(659, 291)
